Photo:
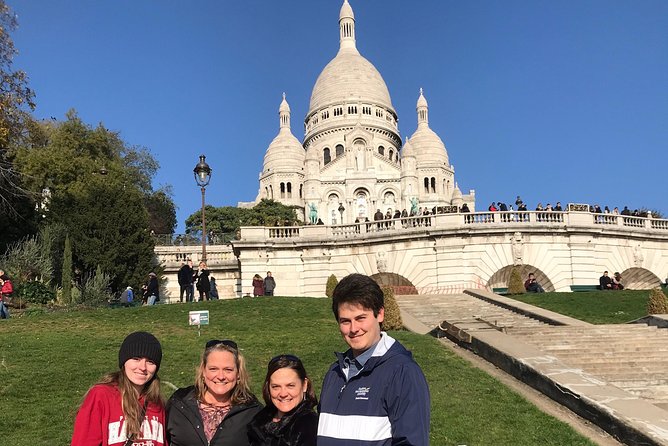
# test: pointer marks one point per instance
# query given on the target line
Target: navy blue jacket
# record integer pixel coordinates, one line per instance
(387, 403)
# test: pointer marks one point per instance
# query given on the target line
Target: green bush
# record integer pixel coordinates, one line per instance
(35, 292)
(392, 313)
(515, 283)
(657, 303)
(94, 290)
(332, 282)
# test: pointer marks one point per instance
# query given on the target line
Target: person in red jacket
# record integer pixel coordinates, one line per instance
(125, 408)
(6, 290)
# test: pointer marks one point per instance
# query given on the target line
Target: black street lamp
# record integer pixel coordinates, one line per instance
(341, 209)
(202, 173)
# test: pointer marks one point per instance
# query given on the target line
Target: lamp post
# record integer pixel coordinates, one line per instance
(202, 173)
(341, 209)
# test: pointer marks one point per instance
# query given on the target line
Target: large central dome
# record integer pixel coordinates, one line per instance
(349, 75)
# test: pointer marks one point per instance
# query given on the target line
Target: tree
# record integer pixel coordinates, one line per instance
(161, 211)
(392, 319)
(332, 282)
(657, 302)
(229, 219)
(16, 98)
(515, 284)
(66, 281)
(99, 188)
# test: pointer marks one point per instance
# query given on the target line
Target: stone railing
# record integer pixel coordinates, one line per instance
(512, 219)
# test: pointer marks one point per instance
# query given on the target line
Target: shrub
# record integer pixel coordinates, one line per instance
(657, 303)
(515, 283)
(392, 314)
(94, 289)
(35, 292)
(332, 282)
(66, 281)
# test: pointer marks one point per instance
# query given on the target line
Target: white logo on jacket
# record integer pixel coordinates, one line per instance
(362, 393)
(150, 430)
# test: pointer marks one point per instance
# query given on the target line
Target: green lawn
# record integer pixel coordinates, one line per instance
(48, 361)
(597, 307)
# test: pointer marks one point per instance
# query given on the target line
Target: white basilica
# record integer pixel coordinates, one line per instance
(352, 161)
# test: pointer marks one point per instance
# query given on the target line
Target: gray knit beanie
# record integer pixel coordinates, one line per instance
(140, 344)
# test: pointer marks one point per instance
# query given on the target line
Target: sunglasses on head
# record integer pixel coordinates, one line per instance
(291, 358)
(226, 342)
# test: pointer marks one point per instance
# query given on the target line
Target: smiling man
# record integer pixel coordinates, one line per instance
(375, 393)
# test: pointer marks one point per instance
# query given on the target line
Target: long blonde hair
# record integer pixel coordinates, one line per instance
(241, 393)
(132, 408)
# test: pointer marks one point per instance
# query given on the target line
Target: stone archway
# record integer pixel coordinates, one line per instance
(639, 279)
(500, 278)
(399, 284)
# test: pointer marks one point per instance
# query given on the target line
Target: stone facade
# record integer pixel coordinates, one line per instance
(440, 253)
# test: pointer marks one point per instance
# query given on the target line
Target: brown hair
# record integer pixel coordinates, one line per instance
(132, 408)
(288, 362)
(241, 393)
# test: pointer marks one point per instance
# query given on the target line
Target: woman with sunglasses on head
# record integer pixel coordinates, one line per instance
(288, 418)
(218, 408)
(125, 407)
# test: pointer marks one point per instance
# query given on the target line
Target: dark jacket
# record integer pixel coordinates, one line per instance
(185, 427)
(298, 428)
(387, 401)
(203, 283)
(269, 283)
(185, 275)
(153, 288)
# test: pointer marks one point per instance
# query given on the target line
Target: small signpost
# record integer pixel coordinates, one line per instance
(198, 318)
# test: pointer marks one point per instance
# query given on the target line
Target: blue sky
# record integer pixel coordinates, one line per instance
(555, 101)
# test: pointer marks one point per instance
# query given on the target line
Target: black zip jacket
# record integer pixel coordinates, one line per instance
(185, 427)
(297, 428)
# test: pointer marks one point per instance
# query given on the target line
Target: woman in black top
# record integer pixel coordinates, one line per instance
(217, 409)
(288, 418)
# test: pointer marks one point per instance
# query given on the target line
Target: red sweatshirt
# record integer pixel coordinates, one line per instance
(100, 421)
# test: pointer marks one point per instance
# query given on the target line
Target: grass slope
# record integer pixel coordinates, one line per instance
(48, 361)
(596, 307)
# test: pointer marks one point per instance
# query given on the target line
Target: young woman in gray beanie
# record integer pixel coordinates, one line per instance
(125, 407)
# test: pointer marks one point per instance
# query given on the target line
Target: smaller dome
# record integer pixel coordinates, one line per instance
(428, 146)
(422, 101)
(285, 153)
(407, 150)
(456, 193)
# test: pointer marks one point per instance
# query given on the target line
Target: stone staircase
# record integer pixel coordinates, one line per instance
(614, 375)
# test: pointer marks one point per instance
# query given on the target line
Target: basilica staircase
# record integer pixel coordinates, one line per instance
(614, 375)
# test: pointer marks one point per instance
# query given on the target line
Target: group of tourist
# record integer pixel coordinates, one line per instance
(375, 393)
(607, 283)
(500, 206)
(189, 279)
(264, 287)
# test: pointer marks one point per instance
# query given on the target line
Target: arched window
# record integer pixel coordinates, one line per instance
(282, 190)
(391, 155)
(301, 191)
(381, 150)
(289, 190)
(339, 150)
(426, 185)
(271, 192)
(326, 156)
(433, 185)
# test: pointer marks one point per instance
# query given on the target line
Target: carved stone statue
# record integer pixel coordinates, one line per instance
(414, 205)
(313, 213)
(518, 248)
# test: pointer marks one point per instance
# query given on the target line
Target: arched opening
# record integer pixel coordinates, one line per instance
(399, 284)
(639, 279)
(501, 278)
(326, 156)
(339, 150)
(282, 190)
(289, 190)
